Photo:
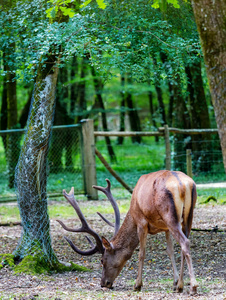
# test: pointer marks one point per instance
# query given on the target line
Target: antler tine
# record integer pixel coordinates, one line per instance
(107, 192)
(84, 228)
(85, 253)
(105, 220)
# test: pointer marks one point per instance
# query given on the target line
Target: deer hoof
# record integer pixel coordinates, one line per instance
(179, 289)
(137, 288)
(193, 290)
(175, 285)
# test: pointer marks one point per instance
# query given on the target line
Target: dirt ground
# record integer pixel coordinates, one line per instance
(208, 252)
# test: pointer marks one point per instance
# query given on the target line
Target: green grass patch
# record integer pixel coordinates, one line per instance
(215, 193)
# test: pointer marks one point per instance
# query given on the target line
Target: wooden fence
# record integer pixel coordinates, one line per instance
(89, 164)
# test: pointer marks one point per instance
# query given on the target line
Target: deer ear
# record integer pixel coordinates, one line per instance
(107, 245)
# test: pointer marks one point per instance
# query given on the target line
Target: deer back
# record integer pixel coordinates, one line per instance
(164, 199)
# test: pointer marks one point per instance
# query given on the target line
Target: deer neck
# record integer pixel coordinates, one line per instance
(127, 237)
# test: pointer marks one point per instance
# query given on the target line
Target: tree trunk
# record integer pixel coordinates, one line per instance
(151, 106)
(181, 120)
(211, 23)
(133, 115)
(201, 145)
(98, 89)
(122, 111)
(4, 106)
(159, 94)
(13, 147)
(31, 175)
(74, 86)
(82, 105)
(25, 111)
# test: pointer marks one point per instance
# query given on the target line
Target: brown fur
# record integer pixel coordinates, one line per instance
(161, 201)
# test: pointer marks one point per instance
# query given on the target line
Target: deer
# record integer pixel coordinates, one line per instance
(161, 201)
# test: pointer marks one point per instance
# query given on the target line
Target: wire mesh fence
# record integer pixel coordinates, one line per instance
(132, 159)
(135, 159)
(64, 160)
(206, 157)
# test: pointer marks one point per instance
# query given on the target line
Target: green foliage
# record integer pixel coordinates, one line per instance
(122, 37)
(100, 3)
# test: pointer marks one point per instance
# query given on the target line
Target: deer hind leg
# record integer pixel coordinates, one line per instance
(142, 235)
(170, 251)
(180, 284)
(185, 248)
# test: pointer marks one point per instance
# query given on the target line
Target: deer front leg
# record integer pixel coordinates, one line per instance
(170, 251)
(142, 235)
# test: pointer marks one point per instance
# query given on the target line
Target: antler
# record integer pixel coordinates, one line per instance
(84, 228)
(107, 192)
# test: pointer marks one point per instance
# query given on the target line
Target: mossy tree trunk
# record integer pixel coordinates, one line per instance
(31, 175)
(211, 22)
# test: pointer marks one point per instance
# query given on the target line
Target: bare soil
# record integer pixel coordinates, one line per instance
(208, 253)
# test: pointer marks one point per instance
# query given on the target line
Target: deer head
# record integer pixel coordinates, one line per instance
(111, 262)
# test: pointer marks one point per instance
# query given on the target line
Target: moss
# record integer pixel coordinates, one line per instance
(36, 265)
(6, 260)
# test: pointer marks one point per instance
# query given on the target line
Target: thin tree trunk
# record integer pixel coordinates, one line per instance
(74, 86)
(13, 147)
(133, 115)
(159, 94)
(4, 106)
(151, 106)
(211, 23)
(181, 120)
(201, 145)
(98, 89)
(122, 110)
(25, 111)
(82, 105)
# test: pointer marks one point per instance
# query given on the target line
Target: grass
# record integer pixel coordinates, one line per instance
(60, 209)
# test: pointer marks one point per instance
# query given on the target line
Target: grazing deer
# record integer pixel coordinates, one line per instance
(161, 201)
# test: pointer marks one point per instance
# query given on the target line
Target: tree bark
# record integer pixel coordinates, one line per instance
(211, 23)
(98, 89)
(122, 111)
(133, 115)
(12, 141)
(201, 146)
(181, 120)
(31, 175)
(4, 105)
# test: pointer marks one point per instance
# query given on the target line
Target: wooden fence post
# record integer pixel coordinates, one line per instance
(88, 159)
(168, 149)
(189, 162)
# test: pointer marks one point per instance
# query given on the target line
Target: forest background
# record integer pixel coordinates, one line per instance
(127, 60)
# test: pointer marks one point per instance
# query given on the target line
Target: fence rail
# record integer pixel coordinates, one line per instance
(72, 160)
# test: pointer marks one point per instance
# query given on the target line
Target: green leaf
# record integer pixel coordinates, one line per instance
(85, 3)
(101, 4)
(67, 11)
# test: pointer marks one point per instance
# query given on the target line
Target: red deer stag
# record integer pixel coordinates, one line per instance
(161, 201)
